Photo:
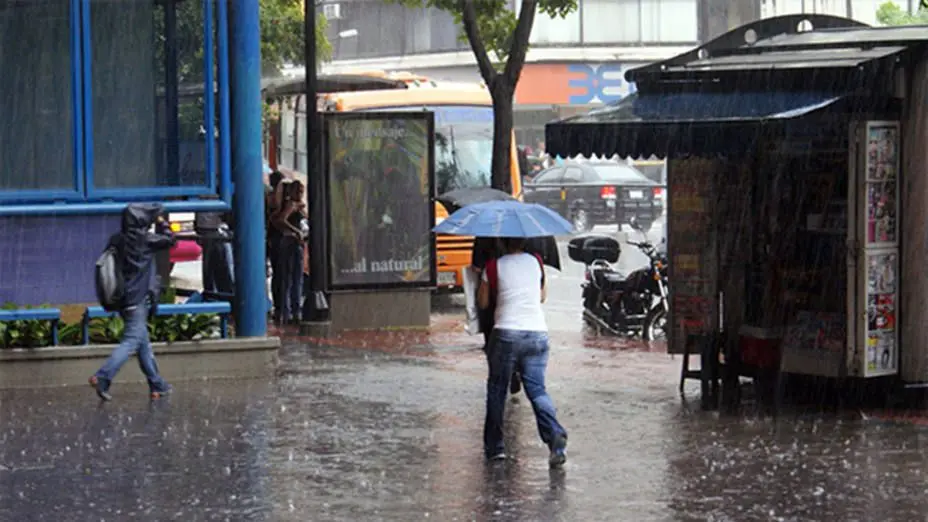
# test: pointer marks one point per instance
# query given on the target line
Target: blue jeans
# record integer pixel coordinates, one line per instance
(526, 352)
(291, 284)
(134, 342)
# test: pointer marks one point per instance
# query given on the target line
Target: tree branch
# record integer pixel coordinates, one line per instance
(469, 21)
(519, 45)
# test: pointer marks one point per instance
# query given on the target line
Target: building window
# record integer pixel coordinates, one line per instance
(431, 30)
(370, 29)
(669, 21)
(612, 21)
(37, 104)
(547, 30)
(109, 100)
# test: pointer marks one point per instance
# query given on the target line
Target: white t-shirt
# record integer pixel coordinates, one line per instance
(518, 294)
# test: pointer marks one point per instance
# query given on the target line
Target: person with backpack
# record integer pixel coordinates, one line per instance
(519, 342)
(128, 283)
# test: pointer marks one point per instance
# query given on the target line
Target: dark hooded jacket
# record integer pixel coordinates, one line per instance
(137, 246)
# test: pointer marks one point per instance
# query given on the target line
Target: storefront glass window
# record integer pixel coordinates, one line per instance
(107, 100)
(123, 93)
(36, 107)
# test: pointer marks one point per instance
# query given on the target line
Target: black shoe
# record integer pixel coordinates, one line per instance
(98, 387)
(496, 457)
(558, 452)
(515, 384)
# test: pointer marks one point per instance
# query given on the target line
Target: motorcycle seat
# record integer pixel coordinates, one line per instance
(613, 277)
(610, 279)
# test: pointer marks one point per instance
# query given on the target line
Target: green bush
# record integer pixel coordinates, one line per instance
(104, 330)
(24, 334)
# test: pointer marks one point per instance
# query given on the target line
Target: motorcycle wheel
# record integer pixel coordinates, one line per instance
(655, 324)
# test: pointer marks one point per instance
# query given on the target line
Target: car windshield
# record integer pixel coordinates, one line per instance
(463, 144)
(618, 173)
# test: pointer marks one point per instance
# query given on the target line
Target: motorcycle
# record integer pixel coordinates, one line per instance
(633, 304)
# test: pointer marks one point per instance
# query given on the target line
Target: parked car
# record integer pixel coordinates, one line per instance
(597, 193)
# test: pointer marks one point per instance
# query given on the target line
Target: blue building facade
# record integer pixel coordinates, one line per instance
(106, 102)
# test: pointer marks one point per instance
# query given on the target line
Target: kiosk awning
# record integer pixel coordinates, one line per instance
(720, 97)
(650, 124)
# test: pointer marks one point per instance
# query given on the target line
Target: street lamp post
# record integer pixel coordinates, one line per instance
(315, 305)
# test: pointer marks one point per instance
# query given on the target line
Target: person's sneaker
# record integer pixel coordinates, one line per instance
(155, 395)
(98, 387)
(496, 457)
(515, 385)
(558, 452)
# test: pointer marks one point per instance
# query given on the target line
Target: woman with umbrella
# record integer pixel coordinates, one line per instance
(488, 248)
(519, 339)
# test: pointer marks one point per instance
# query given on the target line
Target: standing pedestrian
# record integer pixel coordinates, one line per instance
(519, 342)
(136, 246)
(290, 220)
(272, 204)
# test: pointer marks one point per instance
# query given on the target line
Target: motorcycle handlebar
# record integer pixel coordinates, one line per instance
(647, 248)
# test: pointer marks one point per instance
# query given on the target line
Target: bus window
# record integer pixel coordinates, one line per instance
(463, 144)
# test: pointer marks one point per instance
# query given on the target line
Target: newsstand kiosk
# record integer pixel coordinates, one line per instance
(790, 265)
(784, 229)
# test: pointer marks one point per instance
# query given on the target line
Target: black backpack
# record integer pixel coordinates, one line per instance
(110, 283)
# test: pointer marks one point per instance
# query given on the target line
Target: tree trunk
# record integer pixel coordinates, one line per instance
(501, 166)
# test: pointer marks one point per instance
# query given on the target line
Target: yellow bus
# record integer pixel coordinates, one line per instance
(463, 140)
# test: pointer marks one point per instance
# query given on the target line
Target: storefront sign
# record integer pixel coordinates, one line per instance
(601, 83)
(380, 170)
(573, 83)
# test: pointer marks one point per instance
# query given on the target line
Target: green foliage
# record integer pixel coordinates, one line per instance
(281, 43)
(282, 34)
(496, 22)
(168, 295)
(281, 38)
(890, 14)
(499, 40)
(69, 334)
(174, 328)
(24, 334)
(168, 329)
(105, 330)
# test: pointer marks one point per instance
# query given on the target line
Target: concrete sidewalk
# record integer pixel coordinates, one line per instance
(388, 427)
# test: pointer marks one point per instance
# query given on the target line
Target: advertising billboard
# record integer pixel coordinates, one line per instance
(380, 175)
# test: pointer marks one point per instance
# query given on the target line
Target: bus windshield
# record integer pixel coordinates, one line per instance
(463, 144)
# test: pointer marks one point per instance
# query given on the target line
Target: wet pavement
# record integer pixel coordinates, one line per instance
(387, 426)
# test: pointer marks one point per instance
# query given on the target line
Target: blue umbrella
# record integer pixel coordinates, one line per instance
(504, 219)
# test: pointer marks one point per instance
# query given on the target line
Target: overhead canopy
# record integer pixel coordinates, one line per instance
(642, 125)
(717, 97)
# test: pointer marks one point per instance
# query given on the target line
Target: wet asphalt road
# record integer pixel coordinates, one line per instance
(387, 426)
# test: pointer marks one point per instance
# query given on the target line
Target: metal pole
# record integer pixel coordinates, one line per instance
(248, 198)
(315, 305)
